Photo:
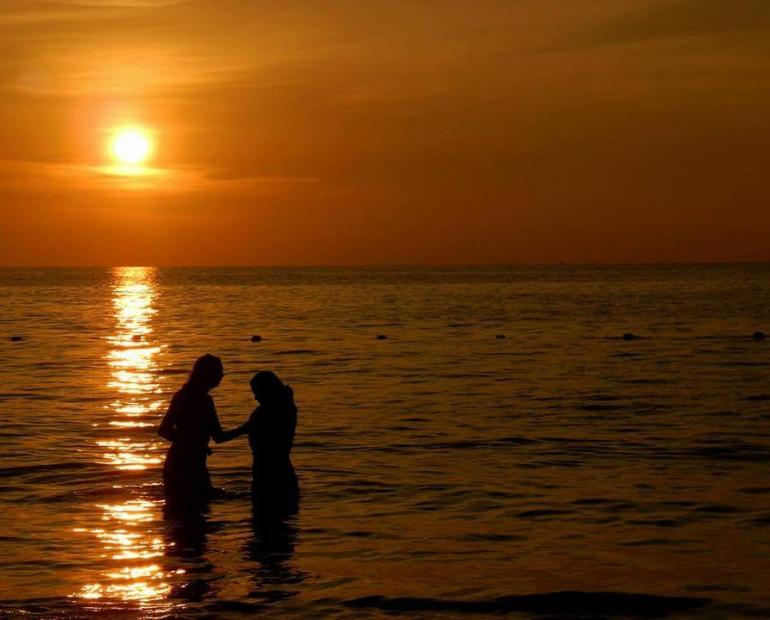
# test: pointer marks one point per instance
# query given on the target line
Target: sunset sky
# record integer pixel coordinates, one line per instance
(385, 131)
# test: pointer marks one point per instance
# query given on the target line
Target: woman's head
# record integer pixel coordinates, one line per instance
(207, 372)
(266, 386)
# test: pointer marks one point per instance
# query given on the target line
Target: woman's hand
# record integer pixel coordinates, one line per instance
(245, 427)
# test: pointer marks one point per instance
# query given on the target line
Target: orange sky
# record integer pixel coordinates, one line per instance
(386, 131)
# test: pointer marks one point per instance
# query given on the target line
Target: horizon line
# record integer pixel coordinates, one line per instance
(694, 263)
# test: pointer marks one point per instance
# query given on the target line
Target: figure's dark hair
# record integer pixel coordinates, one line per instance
(265, 382)
(205, 366)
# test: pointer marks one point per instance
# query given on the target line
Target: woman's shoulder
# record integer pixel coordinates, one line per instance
(191, 397)
(256, 413)
(178, 396)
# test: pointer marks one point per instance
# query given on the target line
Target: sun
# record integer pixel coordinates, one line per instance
(131, 147)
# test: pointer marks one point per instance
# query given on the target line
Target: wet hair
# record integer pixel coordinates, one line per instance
(266, 384)
(205, 367)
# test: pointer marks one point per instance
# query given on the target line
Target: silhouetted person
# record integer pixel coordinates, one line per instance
(189, 423)
(271, 435)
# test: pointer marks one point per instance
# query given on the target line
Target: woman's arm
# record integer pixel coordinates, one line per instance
(221, 436)
(291, 415)
(166, 428)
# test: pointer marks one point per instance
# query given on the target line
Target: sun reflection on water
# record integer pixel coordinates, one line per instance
(127, 542)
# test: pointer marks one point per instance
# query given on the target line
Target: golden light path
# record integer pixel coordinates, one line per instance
(125, 533)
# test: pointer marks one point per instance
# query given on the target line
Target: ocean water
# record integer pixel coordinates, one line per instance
(560, 471)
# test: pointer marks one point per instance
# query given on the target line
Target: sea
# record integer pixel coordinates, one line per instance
(472, 442)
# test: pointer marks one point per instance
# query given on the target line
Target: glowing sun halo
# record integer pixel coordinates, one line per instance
(131, 147)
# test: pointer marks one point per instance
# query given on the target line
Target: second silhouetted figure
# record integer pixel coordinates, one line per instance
(271, 435)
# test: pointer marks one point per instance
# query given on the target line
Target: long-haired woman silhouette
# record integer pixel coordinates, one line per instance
(271, 431)
(189, 423)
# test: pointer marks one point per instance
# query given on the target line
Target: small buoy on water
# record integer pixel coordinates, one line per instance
(759, 336)
(16, 338)
(382, 337)
(256, 338)
(630, 336)
(136, 337)
(500, 336)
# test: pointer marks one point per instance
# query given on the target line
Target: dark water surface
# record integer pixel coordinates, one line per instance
(445, 472)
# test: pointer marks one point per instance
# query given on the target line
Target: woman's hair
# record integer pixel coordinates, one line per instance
(205, 367)
(266, 384)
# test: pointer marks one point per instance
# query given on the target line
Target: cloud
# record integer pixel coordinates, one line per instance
(30, 178)
(127, 3)
(30, 12)
(671, 19)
